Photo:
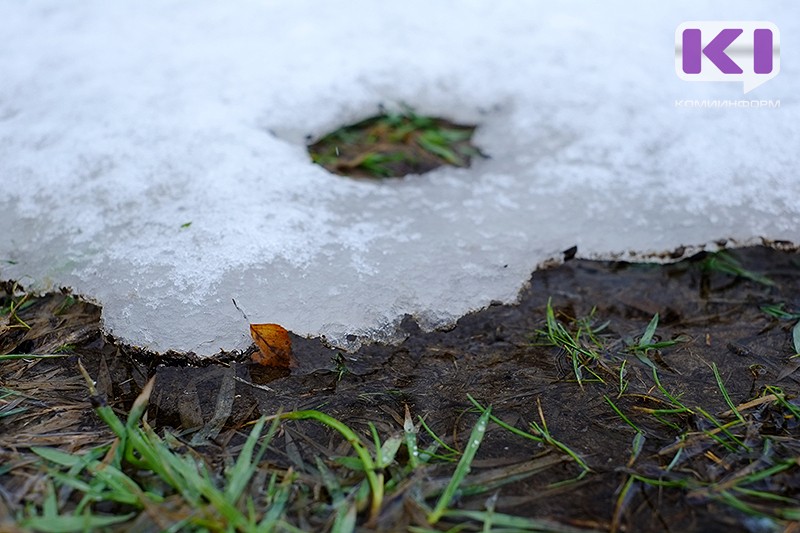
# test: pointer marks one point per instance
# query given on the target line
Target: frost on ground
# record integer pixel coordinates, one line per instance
(121, 123)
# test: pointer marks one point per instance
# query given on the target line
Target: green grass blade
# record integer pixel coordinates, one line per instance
(623, 383)
(777, 311)
(764, 495)
(279, 500)
(434, 146)
(436, 437)
(491, 502)
(673, 399)
(361, 450)
(57, 456)
(636, 447)
(410, 436)
(781, 399)
(331, 483)
(506, 426)
(514, 523)
(463, 467)
(675, 460)
(13, 356)
(345, 520)
(542, 435)
(70, 524)
(622, 415)
(649, 332)
(239, 476)
(117, 486)
(796, 338)
(623, 500)
(102, 409)
(388, 450)
(725, 395)
(724, 262)
(723, 428)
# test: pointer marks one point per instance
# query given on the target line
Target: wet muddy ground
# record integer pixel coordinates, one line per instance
(666, 450)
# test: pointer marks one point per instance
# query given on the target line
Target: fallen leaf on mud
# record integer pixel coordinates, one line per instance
(274, 345)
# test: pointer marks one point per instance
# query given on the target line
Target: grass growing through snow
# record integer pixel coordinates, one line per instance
(393, 145)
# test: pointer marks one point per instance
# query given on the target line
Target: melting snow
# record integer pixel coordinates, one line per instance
(120, 122)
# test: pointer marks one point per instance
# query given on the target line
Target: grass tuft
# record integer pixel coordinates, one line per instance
(582, 345)
(725, 263)
(393, 145)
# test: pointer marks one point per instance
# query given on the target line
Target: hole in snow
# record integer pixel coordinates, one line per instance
(393, 145)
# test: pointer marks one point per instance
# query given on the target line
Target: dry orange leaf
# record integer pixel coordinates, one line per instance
(274, 345)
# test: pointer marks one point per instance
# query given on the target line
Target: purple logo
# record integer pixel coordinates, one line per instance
(745, 51)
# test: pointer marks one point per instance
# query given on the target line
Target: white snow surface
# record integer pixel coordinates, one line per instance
(121, 121)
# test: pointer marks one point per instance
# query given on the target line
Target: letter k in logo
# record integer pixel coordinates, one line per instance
(714, 51)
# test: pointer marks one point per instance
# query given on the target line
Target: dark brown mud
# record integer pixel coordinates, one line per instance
(680, 480)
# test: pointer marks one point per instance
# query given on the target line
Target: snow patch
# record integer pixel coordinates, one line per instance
(120, 122)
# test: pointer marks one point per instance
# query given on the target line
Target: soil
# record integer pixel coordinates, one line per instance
(496, 356)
